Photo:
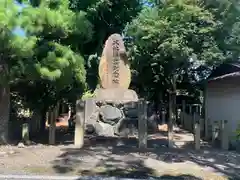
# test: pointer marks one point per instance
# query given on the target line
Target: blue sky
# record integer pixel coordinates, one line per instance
(18, 30)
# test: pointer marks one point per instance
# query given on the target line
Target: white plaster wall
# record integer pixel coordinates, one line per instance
(223, 102)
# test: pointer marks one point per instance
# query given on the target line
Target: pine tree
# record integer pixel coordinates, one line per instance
(55, 66)
(9, 50)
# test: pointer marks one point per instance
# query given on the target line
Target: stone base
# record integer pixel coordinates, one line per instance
(103, 129)
(116, 95)
(105, 105)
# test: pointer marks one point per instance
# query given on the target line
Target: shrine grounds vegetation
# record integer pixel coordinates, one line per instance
(50, 49)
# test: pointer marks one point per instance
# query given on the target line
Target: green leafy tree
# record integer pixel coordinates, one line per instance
(226, 13)
(10, 50)
(107, 17)
(54, 68)
(168, 40)
(171, 42)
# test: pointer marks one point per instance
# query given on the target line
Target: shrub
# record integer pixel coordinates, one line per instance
(87, 94)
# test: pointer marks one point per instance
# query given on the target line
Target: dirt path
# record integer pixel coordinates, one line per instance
(113, 157)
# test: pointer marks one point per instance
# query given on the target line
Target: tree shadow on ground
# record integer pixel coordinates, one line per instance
(154, 141)
(225, 162)
(121, 157)
(133, 169)
(179, 177)
(63, 137)
(101, 156)
(141, 174)
(109, 165)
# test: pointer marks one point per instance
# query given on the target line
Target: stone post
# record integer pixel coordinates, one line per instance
(52, 128)
(47, 120)
(90, 105)
(25, 132)
(4, 111)
(142, 124)
(215, 131)
(79, 125)
(224, 135)
(199, 109)
(196, 132)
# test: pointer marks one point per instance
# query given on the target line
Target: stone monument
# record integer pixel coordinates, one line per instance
(114, 106)
(114, 70)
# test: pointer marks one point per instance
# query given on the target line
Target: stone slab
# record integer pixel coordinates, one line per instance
(116, 95)
(114, 69)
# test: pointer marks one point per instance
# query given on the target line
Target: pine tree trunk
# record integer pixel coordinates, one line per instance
(4, 113)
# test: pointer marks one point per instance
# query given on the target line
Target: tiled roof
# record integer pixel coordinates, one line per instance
(224, 71)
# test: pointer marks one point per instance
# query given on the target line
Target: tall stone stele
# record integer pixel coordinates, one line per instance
(114, 72)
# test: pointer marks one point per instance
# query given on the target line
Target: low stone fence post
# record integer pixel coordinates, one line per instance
(196, 132)
(25, 132)
(90, 108)
(52, 127)
(142, 124)
(215, 131)
(224, 135)
(79, 124)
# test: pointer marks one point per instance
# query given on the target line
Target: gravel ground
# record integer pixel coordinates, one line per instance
(121, 158)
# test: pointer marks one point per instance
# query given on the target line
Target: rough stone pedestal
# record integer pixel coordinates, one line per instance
(117, 95)
(111, 106)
